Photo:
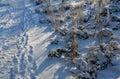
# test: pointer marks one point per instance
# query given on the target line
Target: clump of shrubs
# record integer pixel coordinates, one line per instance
(98, 57)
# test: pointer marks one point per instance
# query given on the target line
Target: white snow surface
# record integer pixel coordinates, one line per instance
(24, 44)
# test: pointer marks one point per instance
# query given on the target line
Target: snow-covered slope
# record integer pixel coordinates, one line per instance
(24, 45)
(22, 40)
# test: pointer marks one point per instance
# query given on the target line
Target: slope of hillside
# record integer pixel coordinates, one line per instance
(25, 42)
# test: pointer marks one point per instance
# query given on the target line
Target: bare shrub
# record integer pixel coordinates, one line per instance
(74, 47)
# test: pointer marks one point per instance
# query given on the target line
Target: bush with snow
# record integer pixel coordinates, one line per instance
(84, 20)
